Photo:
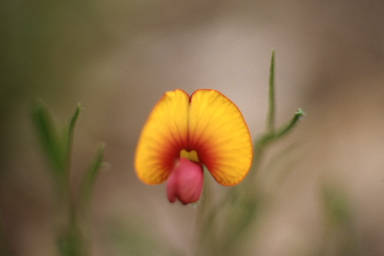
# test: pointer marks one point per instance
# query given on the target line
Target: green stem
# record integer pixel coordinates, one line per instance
(271, 96)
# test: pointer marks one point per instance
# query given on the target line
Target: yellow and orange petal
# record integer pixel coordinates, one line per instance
(163, 136)
(205, 127)
(220, 136)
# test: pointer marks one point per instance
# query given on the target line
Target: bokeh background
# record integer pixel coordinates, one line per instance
(117, 58)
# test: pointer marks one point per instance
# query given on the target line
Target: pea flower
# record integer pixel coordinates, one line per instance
(183, 133)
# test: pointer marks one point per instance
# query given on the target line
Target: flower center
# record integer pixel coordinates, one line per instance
(190, 155)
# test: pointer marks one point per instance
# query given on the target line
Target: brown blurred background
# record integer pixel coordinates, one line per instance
(118, 57)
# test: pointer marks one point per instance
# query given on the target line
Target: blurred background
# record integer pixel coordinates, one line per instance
(117, 58)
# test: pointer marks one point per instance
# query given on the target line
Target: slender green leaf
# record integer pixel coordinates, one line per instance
(49, 138)
(269, 137)
(283, 130)
(271, 96)
(68, 135)
(71, 129)
(89, 179)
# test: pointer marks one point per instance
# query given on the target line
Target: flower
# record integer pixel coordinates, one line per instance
(183, 133)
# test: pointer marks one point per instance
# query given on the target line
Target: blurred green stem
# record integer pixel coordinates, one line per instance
(238, 208)
(73, 211)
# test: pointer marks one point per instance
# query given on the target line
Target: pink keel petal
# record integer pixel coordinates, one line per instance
(185, 182)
